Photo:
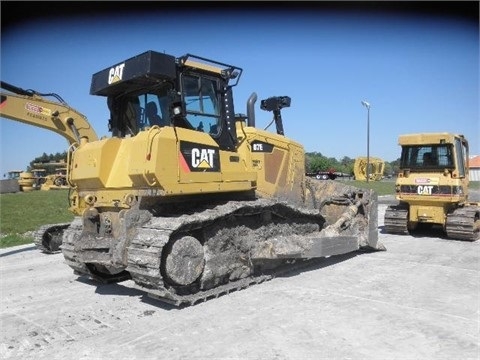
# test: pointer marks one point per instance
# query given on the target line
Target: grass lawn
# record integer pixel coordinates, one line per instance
(386, 187)
(23, 212)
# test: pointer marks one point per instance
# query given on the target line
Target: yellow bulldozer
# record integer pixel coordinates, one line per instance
(432, 187)
(56, 179)
(188, 198)
(375, 170)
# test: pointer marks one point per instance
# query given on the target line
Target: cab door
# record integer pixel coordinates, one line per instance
(198, 157)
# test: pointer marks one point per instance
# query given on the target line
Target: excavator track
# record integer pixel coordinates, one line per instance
(396, 219)
(464, 223)
(48, 238)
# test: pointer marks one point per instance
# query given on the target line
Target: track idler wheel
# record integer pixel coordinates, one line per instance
(185, 261)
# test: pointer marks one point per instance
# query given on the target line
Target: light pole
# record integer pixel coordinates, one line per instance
(367, 105)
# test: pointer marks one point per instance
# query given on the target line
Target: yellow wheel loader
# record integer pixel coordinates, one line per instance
(187, 198)
(432, 187)
(26, 180)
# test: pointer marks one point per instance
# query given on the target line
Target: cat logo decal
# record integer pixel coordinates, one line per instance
(199, 157)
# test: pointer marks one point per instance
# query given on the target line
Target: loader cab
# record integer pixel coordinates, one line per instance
(154, 89)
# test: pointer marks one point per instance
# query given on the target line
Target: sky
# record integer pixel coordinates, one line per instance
(417, 64)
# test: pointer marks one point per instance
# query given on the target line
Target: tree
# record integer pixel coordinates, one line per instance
(316, 162)
(395, 166)
(45, 161)
(346, 165)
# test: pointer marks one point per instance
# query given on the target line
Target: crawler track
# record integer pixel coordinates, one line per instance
(190, 253)
(461, 224)
(464, 223)
(48, 238)
(396, 220)
(70, 236)
(228, 234)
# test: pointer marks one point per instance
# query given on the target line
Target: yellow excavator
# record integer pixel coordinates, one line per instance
(33, 108)
(187, 198)
(432, 187)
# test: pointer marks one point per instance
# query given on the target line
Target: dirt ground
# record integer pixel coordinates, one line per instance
(420, 299)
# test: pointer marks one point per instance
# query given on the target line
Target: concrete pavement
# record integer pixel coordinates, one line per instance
(420, 299)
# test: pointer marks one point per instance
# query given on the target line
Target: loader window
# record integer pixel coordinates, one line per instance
(202, 103)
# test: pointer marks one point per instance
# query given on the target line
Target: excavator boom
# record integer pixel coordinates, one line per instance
(33, 108)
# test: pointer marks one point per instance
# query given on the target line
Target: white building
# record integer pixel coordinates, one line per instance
(474, 166)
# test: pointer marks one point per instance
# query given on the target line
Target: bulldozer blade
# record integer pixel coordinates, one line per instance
(349, 211)
(351, 218)
(329, 246)
(300, 248)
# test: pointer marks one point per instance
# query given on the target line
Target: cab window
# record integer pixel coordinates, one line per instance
(153, 109)
(134, 112)
(461, 157)
(427, 157)
(200, 96)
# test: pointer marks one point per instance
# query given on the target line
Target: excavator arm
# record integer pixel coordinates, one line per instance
(31, 107)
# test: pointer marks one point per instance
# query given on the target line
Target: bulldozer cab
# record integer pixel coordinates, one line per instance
(436, 152)
(154, 89)
(202, 107)
(432, 187)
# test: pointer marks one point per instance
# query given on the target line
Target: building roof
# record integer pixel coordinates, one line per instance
(474, 161)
